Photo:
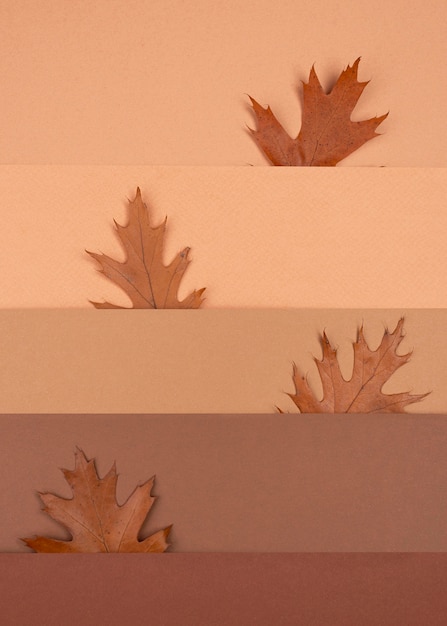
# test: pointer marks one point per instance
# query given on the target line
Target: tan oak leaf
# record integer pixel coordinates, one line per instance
(93, 517)
(143, 276)
(362, 393)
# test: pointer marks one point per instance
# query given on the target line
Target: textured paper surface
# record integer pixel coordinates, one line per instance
(228, 361)
(164, 82)
(274, 237)
(219, 590)
(245, 483)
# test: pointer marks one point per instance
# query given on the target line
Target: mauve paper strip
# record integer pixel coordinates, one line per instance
(224, 590)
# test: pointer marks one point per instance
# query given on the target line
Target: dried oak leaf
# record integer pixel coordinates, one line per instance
(362, 393)
(327, 133)
(143, 276)
(93, 517)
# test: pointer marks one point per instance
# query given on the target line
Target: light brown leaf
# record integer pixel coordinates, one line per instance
(327, 133)
(93, 517)
(143, 276)
(363, 392)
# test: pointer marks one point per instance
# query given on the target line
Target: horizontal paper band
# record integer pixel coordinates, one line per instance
(227, 361)
(244, 483)
(259, 237)
(224, 589)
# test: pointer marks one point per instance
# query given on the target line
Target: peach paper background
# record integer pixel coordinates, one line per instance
(164, 81)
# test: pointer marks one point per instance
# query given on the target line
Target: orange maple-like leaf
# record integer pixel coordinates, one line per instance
(363, 392)
(327, 133)
(149, 283)
(93, 517)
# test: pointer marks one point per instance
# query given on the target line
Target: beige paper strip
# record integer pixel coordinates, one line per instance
(221, 361)
(259, 237)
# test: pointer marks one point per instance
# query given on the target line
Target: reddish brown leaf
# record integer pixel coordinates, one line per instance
(327, 133)
(149, 283)
(363, 392)
(93, 517)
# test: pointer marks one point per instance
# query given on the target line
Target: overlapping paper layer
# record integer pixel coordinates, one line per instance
(245, 483)
(165, 82)
(259, 237)
(223, 589)
(221, 361)
(206, 361)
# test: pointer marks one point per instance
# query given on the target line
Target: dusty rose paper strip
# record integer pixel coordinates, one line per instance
(259, 237)
(244, 483)
(223, 589)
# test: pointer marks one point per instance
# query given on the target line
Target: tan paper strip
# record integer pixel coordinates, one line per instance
(221, 361)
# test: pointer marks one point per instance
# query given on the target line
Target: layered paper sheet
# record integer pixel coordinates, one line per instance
(222, 589)
(166, 82)
(259, 237)
(205, 361)
(145, 82)
(244, 483)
